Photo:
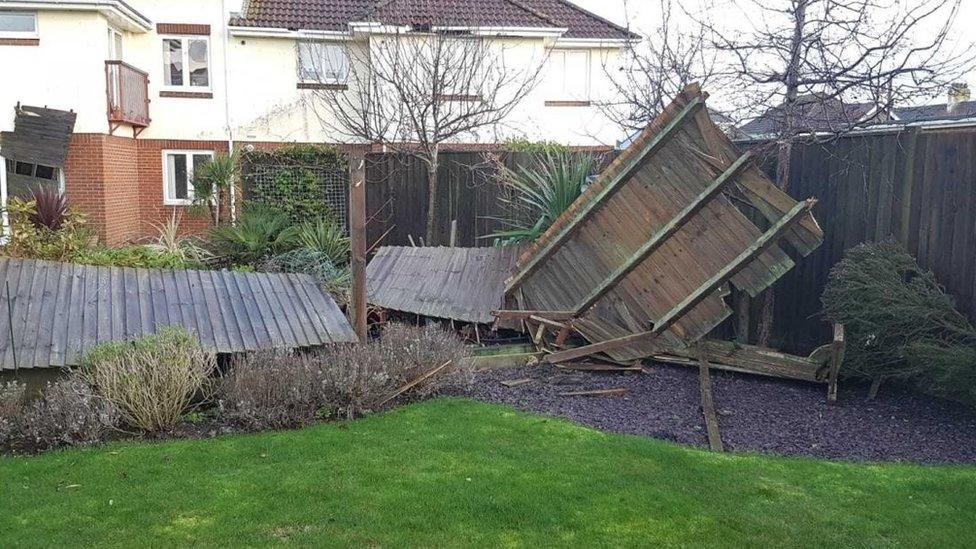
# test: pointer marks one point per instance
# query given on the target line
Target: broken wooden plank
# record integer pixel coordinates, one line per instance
(623, 175)
(708, 407)
(768, 239)
(751, 359)
(592, 367)
(431, 373)
(516, 382)
(525, 315)
(664, 233)
(836, 359)
(597, 392)
(539, 319)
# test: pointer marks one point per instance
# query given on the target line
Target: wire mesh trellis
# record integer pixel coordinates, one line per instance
(301, 191)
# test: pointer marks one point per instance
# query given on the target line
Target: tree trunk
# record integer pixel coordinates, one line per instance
(432, 165)
(764, 326)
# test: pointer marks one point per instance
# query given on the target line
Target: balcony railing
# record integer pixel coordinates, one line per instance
(128, 96)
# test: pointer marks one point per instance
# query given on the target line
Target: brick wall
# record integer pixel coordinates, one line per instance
(118, 183)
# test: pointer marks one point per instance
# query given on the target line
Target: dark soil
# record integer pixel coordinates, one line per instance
(754, 413)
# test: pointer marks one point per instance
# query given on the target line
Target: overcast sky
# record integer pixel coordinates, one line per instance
(644, 15)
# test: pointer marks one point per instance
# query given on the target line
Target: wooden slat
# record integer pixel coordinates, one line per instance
(768, 239)
(637, 157)
(664, 233)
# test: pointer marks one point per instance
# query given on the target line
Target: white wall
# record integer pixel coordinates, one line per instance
(67, 71)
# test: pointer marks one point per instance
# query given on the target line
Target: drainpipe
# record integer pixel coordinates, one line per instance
(225, 15)
(3, 201)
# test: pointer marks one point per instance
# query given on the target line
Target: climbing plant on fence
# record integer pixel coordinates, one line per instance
(301, 181)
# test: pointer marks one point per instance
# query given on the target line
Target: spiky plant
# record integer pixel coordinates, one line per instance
(50, 207)
(259, 233)
(539, 195)
(170, 241)
(323, 235)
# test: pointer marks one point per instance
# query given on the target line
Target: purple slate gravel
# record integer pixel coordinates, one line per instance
(754, 413)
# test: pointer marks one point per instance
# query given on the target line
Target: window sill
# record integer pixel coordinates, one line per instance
(321, 86)
(20, 41)
(568, 103)
(186, 94)
(177, 202)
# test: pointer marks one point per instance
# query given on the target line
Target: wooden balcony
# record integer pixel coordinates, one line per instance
(127, 90)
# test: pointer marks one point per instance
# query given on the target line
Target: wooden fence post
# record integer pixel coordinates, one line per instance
(357, 242)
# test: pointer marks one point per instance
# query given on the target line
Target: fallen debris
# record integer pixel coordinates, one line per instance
(516, 382)
(655, 242)
(597, 392)
(594, 367)
(431, 373)
(708, 406)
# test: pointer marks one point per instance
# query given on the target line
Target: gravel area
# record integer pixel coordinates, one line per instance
(754, 413)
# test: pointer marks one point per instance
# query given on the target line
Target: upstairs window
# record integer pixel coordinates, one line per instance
(568, 76)
(18, 24)
(178, 168)
(186, 63)
(322, 63)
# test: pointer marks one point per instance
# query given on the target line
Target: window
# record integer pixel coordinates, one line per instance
(322, 63)
(186, 62)
(18, 24)
(114, 45)
(28, 169)
(178, 168)
(569, 75)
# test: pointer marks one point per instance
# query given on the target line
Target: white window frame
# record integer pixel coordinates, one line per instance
(339, 45)
(185, 39)
(189, 154)
(22, 34)
(111, 35)
(563, 74)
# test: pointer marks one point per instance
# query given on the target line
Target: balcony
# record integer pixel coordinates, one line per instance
(127, 89)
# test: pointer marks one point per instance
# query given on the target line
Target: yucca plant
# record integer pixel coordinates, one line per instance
(50, 207)
(212, 179)
(323, 235)
(259, 233)
(170, 242)
(539, 195)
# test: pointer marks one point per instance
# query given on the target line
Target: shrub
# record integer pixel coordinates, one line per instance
(134, 256)
(171, 243)
(900, 322)
(527, 146)
(319, 265)
(258, 234)
(272, 390)
(324, 235)
(68, 412)
(50, 208)
(30, 238)
(153, 380)
(11, 403)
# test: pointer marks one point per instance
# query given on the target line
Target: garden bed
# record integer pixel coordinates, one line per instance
(754, 413)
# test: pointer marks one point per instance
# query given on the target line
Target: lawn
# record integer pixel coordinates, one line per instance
(456, 473)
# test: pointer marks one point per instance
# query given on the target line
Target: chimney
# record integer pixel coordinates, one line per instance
(958, 93)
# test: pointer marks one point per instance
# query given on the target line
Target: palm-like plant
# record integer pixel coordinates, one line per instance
(539, 195)
(323, 235)
(171, 242)
(212, 179)
(259, 233)
(50, 207)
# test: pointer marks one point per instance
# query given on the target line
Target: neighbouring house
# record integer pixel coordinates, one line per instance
(815, 116)
(156, 87)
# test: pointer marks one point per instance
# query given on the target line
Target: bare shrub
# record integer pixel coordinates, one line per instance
(153, 380)
(67, 413)
(11, 405)
(271, 390)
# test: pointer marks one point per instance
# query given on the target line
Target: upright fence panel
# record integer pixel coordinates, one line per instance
(916, 187)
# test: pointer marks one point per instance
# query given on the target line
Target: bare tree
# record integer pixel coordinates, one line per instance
(414, 90)
(655, 69)
(817, 62)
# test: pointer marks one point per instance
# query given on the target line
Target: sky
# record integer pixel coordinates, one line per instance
(644, 15)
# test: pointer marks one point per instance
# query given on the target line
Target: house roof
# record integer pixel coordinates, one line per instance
(59, 311)
(932, 113)
(335, 15)
(812, 116)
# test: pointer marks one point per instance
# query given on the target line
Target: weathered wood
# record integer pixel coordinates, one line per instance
(708, 406)
(836, 360)
(664, 233)
(622, 175)
(551, 323)
(768, 239)
(516, 382)
(597, 392)
(592, 367)
(357, 243)
(525, 315)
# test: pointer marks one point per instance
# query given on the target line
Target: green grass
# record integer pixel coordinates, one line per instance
(458, 473)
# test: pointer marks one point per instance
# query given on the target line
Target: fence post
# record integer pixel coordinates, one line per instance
(907, 184)
(357, 242)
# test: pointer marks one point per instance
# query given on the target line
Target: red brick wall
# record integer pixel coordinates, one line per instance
(118, 182)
